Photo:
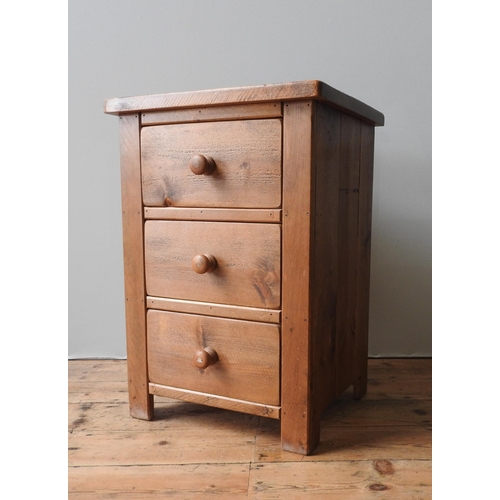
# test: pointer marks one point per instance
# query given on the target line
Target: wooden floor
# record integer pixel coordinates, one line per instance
(378, 447)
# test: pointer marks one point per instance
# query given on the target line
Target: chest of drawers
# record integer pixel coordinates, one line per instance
(246, 226)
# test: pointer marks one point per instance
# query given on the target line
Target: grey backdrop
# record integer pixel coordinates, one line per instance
(378, 52)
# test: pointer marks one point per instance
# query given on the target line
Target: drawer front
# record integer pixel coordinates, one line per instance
(247, 157)
(247, 256)
(247, 365)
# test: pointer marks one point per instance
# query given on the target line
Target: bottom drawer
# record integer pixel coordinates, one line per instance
(245, 364)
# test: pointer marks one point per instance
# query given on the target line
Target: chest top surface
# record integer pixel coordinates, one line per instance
(291, 91)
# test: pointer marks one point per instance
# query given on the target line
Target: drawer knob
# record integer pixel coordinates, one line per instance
(201, 164)
(205, 357)
(202, 263)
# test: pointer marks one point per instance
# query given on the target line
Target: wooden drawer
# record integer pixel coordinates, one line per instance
(247, 156)
(247, 255)
(247, 366)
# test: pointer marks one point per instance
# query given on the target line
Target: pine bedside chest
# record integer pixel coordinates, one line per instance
(246, 226)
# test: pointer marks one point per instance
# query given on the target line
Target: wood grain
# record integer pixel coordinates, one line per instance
(350, 443)
(379, 446)
(347, 480)
(348, 212)
(381, 412)
(162, 447)
(234, 112)
(300, 422)
(249, 353)
(165, 481)
(248, 257)
(326, 154)
(213, 214)
(248, 164)
(401, 479)
(363, 253)
(175, 413)
(169, 414)
(309, 89)
(212, 309)
(141, 403)
(262, 410)
(101, 371)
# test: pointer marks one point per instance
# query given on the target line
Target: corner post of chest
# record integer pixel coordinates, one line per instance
(141, 402)
(299, 416)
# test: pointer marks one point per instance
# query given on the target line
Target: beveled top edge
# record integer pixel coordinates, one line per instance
(309, 89)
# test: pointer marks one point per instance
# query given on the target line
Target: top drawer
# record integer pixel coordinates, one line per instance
(247, 157)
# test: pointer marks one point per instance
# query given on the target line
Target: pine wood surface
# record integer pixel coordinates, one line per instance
(348, 218)
(248, 262)
(309, 89)
(327, 243)
(141, 402)
(377, 447)
(248, 355)
(235, 112)
(260, 409)
(299, 432)
(212, 309)
(247, 156)
(213, 214)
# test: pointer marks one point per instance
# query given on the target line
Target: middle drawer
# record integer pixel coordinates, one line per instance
(242, 261)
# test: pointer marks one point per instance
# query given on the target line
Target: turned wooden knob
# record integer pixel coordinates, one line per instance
(202, 263)
(201, 164)
(205, 357)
